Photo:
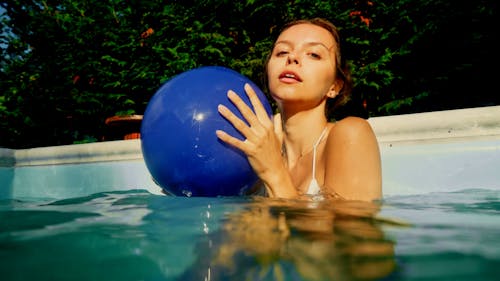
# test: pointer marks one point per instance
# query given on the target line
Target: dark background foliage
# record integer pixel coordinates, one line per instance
(67, 65)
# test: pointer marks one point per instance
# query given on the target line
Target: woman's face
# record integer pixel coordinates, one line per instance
(302, 66)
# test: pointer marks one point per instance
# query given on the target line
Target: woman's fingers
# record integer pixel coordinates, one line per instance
(278, 127)
(257, 126)
(225, 137)
(259, 109)
(244, 109)
(239, 124)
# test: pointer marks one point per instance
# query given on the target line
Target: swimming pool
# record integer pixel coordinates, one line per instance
(92, 212)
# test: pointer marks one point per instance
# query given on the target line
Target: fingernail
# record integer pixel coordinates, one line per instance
(221, 108)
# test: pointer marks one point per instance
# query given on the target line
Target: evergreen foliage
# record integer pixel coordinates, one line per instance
(67, 65)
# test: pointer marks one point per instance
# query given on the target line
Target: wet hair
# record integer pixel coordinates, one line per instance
(343, 72)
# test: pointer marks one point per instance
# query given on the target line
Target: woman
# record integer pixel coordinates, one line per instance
(300, 152)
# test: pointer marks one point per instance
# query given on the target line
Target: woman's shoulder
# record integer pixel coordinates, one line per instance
(350, 127)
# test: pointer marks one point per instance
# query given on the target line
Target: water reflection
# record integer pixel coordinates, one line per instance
(296, 240)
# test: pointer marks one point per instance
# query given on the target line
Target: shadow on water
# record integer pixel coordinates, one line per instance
(296, 240)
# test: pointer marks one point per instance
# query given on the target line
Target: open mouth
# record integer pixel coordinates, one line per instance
(289, 76)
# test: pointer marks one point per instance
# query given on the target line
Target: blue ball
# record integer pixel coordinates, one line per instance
(178, 140)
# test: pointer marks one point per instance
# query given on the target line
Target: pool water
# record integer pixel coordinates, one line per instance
(136, 235)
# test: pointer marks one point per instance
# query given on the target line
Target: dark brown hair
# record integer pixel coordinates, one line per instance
(343, 72)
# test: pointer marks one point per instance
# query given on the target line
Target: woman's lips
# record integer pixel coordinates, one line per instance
(289, 77)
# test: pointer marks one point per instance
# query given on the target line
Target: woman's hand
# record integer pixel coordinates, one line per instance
(263, 141)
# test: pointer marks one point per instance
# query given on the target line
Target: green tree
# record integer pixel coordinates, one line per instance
(67, 65)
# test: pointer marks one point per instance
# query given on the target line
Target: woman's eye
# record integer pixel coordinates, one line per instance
(314, 55)
(281, 53)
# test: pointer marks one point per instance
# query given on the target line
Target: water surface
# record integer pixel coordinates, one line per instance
(135, 235)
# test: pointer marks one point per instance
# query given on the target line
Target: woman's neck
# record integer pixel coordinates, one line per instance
(301, 130)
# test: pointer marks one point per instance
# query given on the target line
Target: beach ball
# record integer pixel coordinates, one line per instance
(178, 140)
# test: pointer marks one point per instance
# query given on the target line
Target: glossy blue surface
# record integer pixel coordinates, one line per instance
(179, 144)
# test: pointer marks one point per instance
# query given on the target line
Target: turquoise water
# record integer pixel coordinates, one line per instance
(135, 235)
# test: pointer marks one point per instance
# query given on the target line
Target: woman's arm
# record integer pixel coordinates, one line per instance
(352, 161)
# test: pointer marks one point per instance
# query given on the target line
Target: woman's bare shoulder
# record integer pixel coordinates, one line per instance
(352, 127)
(352, 158)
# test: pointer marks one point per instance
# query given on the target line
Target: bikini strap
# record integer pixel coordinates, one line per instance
(314, 152)
(313, 176)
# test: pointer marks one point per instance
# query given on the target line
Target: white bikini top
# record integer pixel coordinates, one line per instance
(314, 188)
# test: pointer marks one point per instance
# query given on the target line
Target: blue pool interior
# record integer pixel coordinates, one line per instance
(92, 212)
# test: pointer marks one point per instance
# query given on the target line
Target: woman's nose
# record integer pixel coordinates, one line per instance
(292, 59)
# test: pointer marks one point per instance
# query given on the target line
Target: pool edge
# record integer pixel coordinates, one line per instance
(462, 140)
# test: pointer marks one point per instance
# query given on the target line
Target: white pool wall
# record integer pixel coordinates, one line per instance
(421, 153)
(440, 151)
(74, 170)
